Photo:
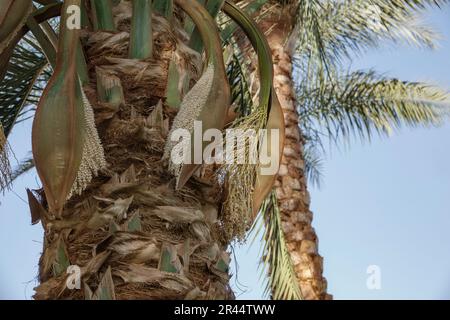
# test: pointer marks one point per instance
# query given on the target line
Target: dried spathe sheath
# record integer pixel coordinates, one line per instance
(209, 101)
(59, 123)
(269, 116)
(265, 183)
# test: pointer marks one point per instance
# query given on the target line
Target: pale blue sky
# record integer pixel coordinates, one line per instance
(385, 204)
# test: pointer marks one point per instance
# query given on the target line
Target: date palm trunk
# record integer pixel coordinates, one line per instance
(292, 192)
(291, 186)
(130, 235)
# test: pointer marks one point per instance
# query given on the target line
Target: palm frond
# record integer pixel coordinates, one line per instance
(334, 107)
(328, 31)
(241, 96)
(310, 37)
(313, 164)
(229, 28)
(23, 167)
(282, 283)
(354, 25)
(23, 82)
(361, 103)
(5, 167)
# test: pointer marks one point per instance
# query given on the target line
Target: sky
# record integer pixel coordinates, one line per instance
(383, 204)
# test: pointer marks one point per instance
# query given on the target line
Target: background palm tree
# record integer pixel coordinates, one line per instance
(329, 102)
(320, 35)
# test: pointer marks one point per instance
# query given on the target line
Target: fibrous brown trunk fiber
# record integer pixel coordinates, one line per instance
(131, 235)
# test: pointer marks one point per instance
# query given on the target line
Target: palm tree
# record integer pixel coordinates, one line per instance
(111, 93)
(314, 39)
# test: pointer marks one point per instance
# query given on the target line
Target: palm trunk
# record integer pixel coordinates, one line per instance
(291, 187)
(131, 235)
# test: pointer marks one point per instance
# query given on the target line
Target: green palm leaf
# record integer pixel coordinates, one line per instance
(22, 84)
(327, 32)
(354, 25)
(282, 283)
(24, 166)
(361, 103)
(313, 164)
(240, 92)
